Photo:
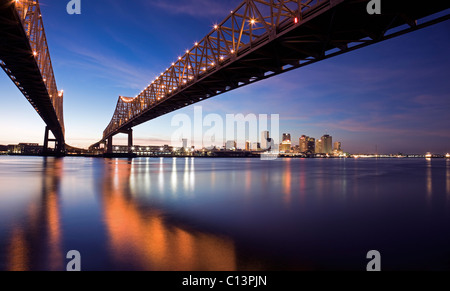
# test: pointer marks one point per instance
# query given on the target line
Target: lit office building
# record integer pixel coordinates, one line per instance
(337, 148)
(319, 147)
(265, 140)
(303, 143)
(311, 145)
(247, 146)
(327, 144)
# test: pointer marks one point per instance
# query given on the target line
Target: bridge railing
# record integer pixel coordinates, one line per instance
(30, 15)
(250, 24)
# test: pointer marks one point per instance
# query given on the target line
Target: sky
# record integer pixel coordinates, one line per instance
(393, 96)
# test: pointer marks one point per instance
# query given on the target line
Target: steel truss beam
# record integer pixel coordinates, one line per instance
(25, 57)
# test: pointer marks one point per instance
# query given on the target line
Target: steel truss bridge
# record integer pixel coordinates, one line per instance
(261, 39)
(25, 57)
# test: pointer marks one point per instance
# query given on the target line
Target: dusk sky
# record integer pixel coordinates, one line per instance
(394, 95)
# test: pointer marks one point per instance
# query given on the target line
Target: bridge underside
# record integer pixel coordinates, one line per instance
(332, 29)
(19, 63)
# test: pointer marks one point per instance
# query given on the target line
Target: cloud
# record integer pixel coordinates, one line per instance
(107, 66)
(196, 8)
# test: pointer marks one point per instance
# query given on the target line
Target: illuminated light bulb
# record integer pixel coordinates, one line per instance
(35, 53)
(179, 58)
(232, 51)
(196, 44)
(252, 21)
(216, 26)
(173, 64)
(189, 67)
(187, 51)
(221, 57)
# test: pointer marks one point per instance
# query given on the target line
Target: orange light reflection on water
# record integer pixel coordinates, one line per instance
(145, 238)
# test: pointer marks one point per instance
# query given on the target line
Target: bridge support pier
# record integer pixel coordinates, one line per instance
(45, 148)
(59, 144)
(109, 145)
(110, 148)
(130, 141)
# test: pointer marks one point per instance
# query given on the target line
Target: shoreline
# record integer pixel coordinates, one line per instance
(252, 156)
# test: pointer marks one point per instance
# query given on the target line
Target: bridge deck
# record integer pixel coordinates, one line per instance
(18, 60)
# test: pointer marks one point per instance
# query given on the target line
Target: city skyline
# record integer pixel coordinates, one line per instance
(381, 97)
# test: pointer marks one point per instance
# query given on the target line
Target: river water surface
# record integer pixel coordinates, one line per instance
(224, 214)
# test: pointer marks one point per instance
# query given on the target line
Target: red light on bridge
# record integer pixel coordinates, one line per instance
(296, 20)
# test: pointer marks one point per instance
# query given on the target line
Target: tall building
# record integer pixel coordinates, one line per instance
(303, 143)
(327, 144)
(248, 146)
(287, 137)
(337, 146)
(265, 140)
(185, 141)
(311, 146)
(319, 147)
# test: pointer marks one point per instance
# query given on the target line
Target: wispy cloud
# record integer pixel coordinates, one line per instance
(196, 8)
(110, 67)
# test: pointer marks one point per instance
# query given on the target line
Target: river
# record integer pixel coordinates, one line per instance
(211, 214)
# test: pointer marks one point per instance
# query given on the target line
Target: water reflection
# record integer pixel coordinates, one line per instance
(141, 236)
(429, 180)
(448, 181)
(174, 178)
(287, 183)
(18, 251)
(221, 214)
(36, 242)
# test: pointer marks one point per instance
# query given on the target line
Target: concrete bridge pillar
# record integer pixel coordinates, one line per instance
(45, 148)
(60, 145)
(109, 145)
(130, 141)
